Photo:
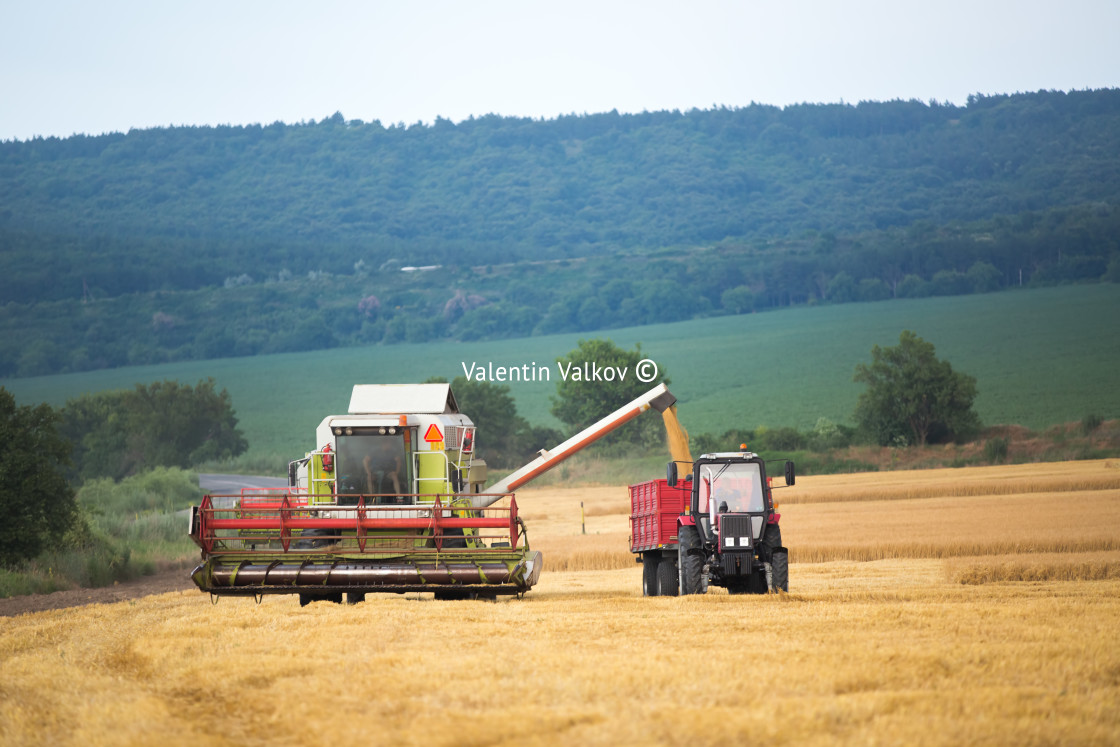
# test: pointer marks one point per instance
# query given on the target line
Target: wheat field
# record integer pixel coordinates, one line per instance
(957, 606)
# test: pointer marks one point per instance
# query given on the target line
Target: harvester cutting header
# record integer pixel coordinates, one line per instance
(392, 500)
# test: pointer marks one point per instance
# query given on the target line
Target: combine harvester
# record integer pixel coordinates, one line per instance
(391, 501)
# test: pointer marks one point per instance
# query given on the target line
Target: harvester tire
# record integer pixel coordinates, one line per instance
(650, 563)
(354, 597)
(690, 560)
(306, 599)
(454, 539)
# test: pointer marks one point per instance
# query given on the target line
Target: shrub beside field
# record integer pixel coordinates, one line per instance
(126, 529)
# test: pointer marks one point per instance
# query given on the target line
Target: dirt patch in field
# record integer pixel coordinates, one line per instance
(161, 583)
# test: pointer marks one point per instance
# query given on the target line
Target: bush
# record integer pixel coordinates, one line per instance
(123, 530)
(827, 464)
(827, 435)
(36, 503)
(778, 439)
(914, 396)
(1090, 423)
(995, 450)
(161, 490)
(120, 433)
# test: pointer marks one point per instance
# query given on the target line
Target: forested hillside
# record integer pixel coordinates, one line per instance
(187, 242)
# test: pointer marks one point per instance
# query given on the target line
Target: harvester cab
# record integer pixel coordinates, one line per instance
(729, 535)
(396, 442)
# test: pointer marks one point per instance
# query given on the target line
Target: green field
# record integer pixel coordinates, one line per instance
(1041, 357)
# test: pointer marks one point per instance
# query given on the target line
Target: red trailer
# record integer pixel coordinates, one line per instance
(655, 512)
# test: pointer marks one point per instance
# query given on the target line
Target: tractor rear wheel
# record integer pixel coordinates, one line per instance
(691, 563)
(649, 574)
(667, 579)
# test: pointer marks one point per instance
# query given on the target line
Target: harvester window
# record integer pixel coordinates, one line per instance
(373, 464)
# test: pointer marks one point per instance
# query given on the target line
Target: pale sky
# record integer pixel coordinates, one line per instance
(113, 65)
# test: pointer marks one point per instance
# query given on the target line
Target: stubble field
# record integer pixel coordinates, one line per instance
(956, 606)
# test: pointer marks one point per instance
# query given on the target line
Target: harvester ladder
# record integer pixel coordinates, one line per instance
(461, 463)
(465, 458)
(319, 489)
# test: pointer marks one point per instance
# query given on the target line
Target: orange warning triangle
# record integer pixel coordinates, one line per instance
(433, 434)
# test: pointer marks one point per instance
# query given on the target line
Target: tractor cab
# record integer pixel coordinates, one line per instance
(729, 483)
(726, 487)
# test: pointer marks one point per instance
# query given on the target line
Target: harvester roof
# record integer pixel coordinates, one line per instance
(402, 399)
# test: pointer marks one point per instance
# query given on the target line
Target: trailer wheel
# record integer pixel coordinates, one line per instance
(649, 574)
(667, 579)
(691, 564)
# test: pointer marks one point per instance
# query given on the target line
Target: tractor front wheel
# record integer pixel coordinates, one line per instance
(780, 565)
(650, 562)
(779, 558)
(690, 560)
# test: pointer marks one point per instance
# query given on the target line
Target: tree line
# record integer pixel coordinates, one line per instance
(199, 242)
(282, 312)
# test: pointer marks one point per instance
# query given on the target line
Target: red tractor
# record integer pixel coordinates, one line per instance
(716, 526)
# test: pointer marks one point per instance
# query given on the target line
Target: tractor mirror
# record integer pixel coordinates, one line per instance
(671, 474)
(790, 476)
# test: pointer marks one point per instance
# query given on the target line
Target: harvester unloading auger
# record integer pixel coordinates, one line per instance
(391, 501)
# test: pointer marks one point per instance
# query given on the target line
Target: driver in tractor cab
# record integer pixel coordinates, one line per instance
(730, 500)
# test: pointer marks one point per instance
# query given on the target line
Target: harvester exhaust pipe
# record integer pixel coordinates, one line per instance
(659, 398)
